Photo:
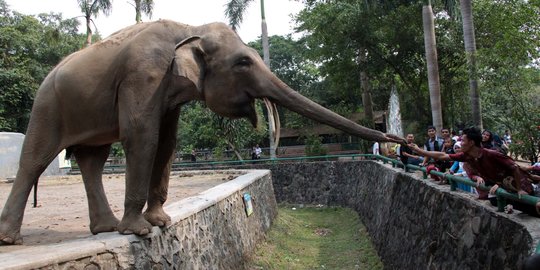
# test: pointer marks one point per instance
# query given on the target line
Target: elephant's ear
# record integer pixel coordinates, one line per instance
(189, 61)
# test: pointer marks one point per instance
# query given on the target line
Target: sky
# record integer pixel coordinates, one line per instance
(197, 12)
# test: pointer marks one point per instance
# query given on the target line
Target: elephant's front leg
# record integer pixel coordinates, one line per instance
(140, 145)
(159, 185)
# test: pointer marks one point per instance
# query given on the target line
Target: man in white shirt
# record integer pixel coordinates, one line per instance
(376, 148)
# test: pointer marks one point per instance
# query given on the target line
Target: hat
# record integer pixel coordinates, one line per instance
(457, 145)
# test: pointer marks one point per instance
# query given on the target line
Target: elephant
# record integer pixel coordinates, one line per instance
(129, 88)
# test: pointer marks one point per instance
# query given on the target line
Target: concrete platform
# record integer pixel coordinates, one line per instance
(210, 229)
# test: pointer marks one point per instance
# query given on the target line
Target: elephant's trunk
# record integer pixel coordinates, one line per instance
(294, 101)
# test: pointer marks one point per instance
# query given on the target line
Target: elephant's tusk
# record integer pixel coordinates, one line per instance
(273, 118)
(277, 125)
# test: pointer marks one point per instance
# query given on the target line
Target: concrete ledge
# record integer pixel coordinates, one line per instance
(209, 231)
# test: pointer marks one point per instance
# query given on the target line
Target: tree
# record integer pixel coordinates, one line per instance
(364, 39)
(432, 65)
(470, 51)
(511, 76)
(293, 68)
(201, 128)
(29, 48)
(93, 8)
(142, 6)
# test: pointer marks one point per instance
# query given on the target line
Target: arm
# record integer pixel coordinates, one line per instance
(408, 155)
(455, 167)
(517, 177)
(432, 154)
(473, 175)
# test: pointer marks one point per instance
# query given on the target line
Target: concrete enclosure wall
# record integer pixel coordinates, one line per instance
(10, 152)
(414, 224)
(209, 231)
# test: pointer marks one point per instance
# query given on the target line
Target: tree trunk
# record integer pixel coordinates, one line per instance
(470, 51)
(266, 58)
(88, 31)
(432, 66)
(138, 18)
(231, 145)
(366, 91)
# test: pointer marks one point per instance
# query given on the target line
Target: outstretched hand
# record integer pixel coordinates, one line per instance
(394, 138)
(413, 146)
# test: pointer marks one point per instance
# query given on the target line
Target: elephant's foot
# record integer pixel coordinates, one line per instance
(10, 237)
(157, 217)
(135, 224)
(105, 224)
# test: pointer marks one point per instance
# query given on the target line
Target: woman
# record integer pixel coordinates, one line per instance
(487, 139)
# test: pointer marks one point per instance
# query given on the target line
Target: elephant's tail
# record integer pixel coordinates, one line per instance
(69, 152)
(35, 192)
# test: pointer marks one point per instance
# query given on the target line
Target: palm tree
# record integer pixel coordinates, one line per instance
(142, 6)
(235, 12)
(93, 8)
(470, 50)
(432, 65)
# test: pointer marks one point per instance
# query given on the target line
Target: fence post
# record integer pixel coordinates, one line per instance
(453, 184)
(501, 203)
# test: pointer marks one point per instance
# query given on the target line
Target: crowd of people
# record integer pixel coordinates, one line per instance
(482, 156)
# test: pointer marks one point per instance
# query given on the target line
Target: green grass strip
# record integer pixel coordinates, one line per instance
(316, 238)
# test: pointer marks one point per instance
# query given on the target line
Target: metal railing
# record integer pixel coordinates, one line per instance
(501, 194)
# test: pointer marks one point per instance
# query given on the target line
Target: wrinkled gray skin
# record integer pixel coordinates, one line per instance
(129, 88)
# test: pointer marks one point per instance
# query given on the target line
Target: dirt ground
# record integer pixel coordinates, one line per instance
(62, 210)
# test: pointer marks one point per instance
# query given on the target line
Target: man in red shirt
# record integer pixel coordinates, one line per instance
(491, 167)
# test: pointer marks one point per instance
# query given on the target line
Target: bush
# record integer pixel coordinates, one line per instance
(314, 146)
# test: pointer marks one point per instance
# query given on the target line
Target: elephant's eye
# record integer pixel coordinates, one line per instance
(243, 62)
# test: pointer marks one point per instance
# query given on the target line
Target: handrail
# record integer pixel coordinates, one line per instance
(501, 193)
(453, 180)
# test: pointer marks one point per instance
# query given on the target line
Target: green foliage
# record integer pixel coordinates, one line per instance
(117, 150)
(290, 65)
(200, 128)
(508, 55)
(514, 104)
(234, 11)
(30, 46)
(143, 6)
(16, 99)
(394, 52)
(391, 32)
(314, 146)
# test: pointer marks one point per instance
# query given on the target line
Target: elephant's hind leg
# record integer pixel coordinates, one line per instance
(37, 153)
(91, 160)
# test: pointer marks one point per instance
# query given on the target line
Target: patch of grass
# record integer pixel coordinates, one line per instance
(316, 238)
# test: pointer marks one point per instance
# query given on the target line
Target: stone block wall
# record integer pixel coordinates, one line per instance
(413, 224)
